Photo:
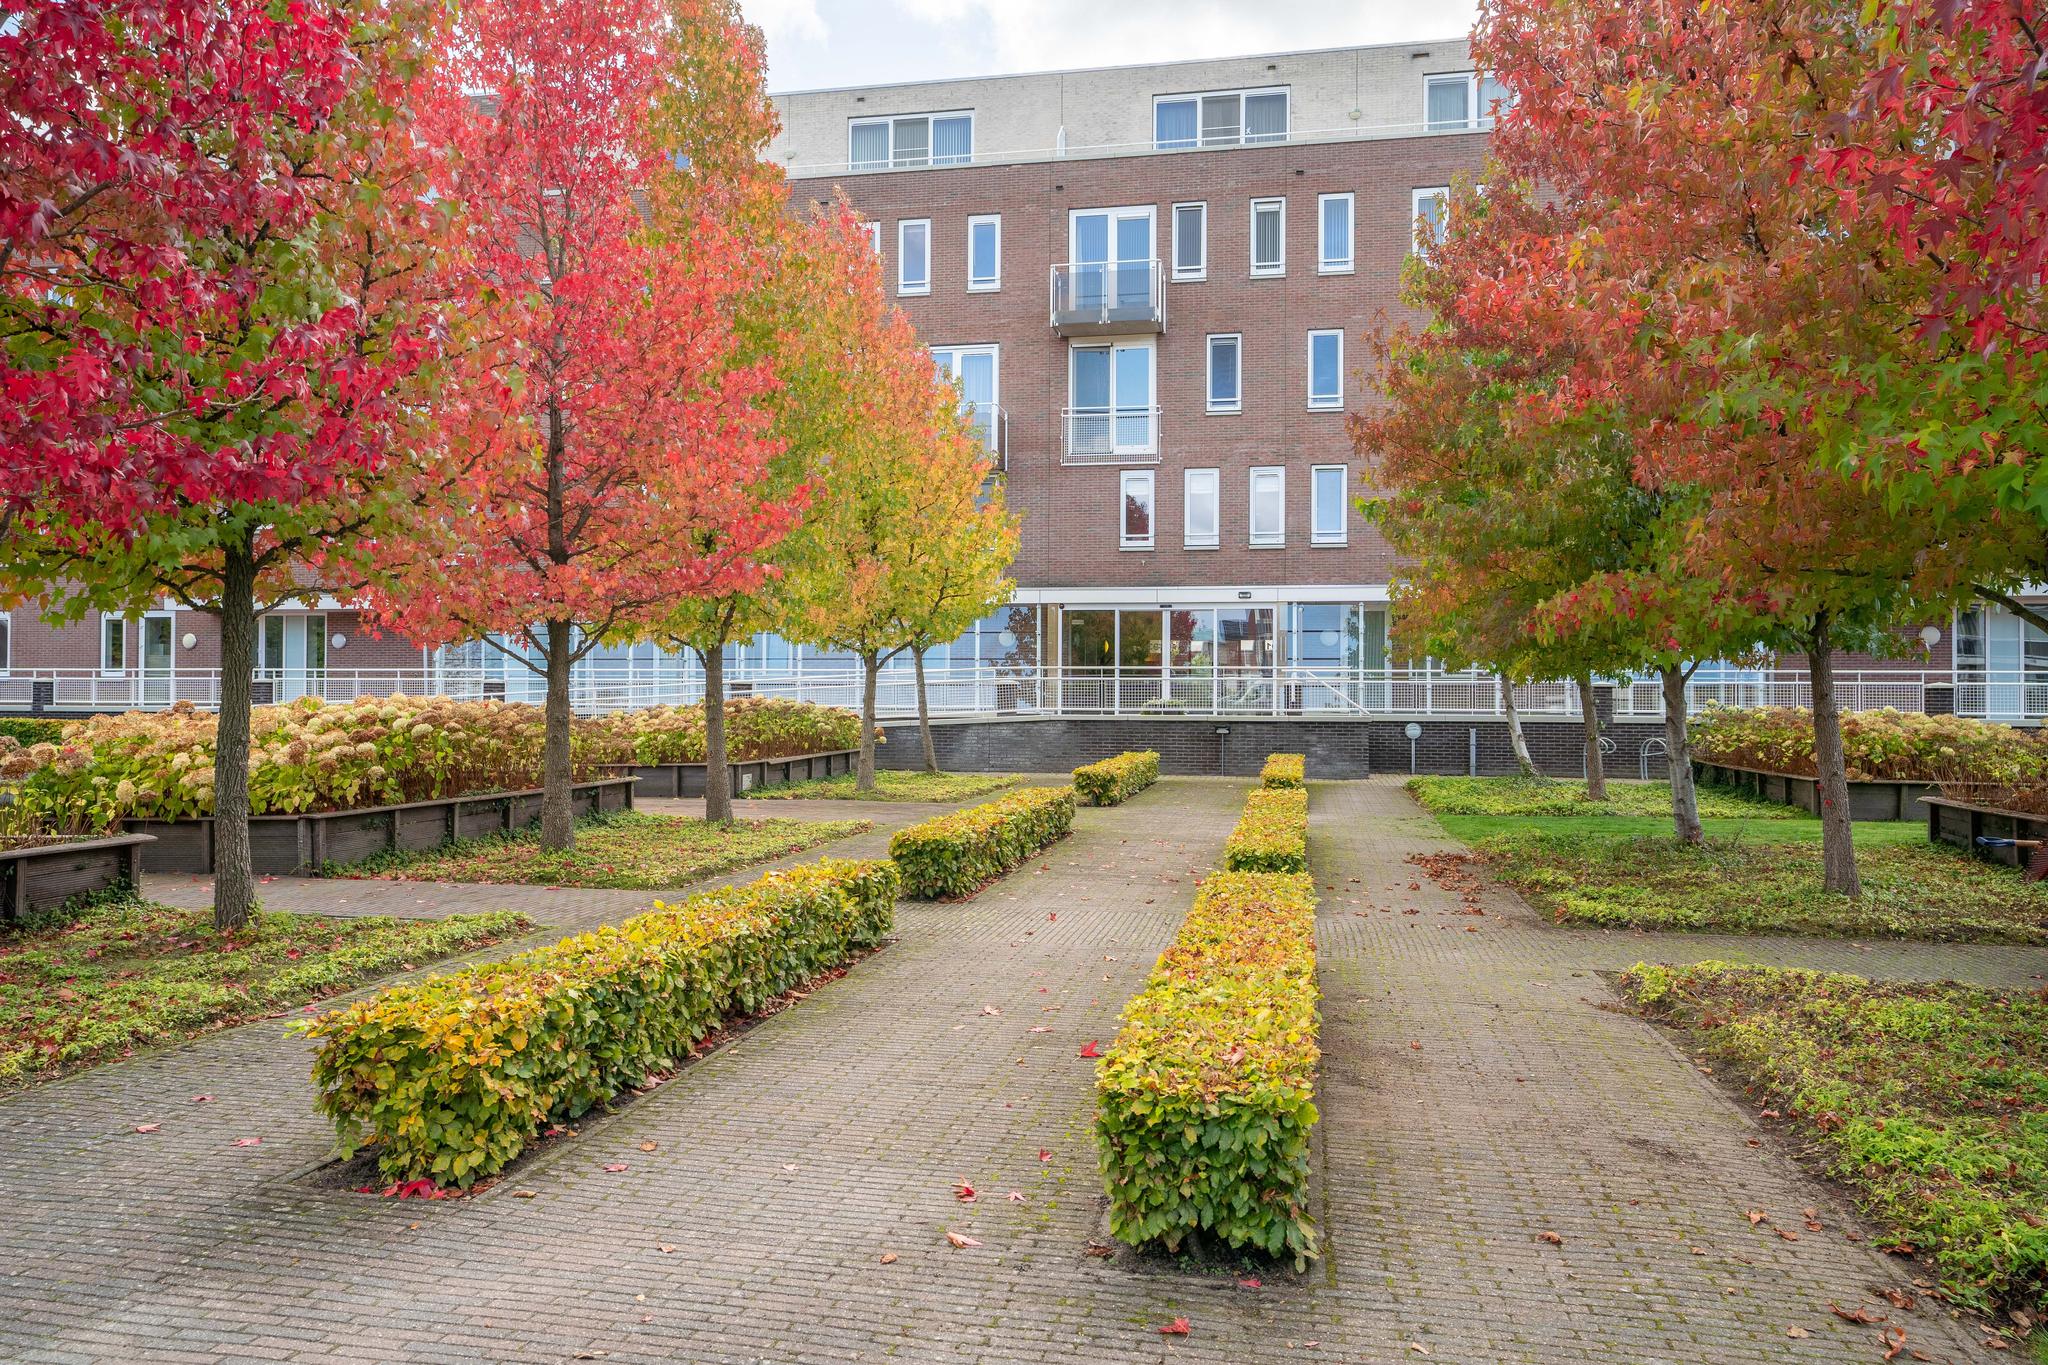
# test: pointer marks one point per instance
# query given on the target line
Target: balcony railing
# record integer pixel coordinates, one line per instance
(991, 426)
(1108, 298)
(1110, 435)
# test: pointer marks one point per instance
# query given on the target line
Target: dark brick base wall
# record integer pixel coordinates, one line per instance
(1335, 748)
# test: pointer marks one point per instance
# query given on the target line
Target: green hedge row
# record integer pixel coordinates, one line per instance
(1116, 780)
(957, 854)
(451, 1077)
(29, 730)
(1207, 1097)
(1272, 834)
(1284, 770)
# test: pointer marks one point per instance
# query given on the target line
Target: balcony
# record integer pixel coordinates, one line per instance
(990, 424)
(1110, 436)
(1108, 298)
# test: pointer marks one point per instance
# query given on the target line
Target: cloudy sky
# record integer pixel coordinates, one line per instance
(814, 43)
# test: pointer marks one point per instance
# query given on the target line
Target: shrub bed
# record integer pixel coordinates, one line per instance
(1284, 770)
(1272, 834)
(1116, 780)
(1207, 1097)
(955, 855)
(1553, 798)
(1929, 1100)
(451, 1077)
(755, 727)
(1972, 760)
(24, 730)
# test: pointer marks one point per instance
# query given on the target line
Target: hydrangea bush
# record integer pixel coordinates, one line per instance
(755, 727)
(1972, 760)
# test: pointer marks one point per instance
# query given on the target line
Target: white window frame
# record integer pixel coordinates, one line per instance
(1127, 480)
(1150, 405)
(1471, 83)
(1272, 539)
(1236, 404)
(874, 232)
(1279, 268)
(1325, 402)
(1286, 94)
(994, 282)
(1213, 478)
(1199, 271)
(904, 286)
(6, 643)
(1325, 265)
(1316, 534)
(1416, 198)
(890, 121)
(109, 665)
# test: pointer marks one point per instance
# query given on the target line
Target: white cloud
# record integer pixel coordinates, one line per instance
(788, 20)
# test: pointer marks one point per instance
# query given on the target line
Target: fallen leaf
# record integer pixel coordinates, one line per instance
(614, 1167)
(665, 1248)
(1551, 1238)
(1418, 1348)
(961, 1239)
(1039, 1028)
(888, 1258)
(990, 1009)
(202, 1099)
(1250, 1282)
(1862, 1313)
(1797, 1332)
(147, 1127)
(1100, 1249)
(963, 1192)
(649, 1145)
(526, 1194)
(1758, 1216)
(1014, 1197)
(249, 1142)
(1177, 1328)
(1092, 1049)
(1044, 1155)
(1900, 1298)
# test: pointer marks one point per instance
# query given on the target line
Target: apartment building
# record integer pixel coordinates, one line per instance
(1151, 284)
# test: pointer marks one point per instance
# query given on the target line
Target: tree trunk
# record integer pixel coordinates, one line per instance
(1516, 738)
(557, 817)
(1596, 767)
(234, 879)
(864, 769)
(1837, 836)
(924, 714)
(1685, 798)
(717, 771)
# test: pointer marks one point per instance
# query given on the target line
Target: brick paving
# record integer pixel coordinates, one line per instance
(787, 1164)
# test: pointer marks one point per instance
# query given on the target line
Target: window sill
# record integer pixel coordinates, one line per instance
(1268, 544)
(1326, 407)
(995, 288)
(1191, 279)
(1337, 270)
(1136, 548)
(1326, 543)
(903, 293)
(1231, 411)
(1279, 274)
(1201, 545)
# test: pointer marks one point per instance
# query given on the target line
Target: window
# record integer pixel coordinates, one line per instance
(1110, 409)
(874, 232)
(1226, 373)
(1221, 118)
(1326, 504)
(985, 251)
(113, 644)
(1199, 518)
(1269, 506)
(6, 641)
(974, 371)
(1432, 213)
(1462, 100)
(1333, 234)
(917, 140)
(1325, 370)
(1269, 236)
(1190, 241)
(1136, 486)
(914, 256)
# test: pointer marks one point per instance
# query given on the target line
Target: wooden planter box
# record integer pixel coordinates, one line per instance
(1955, 822)
(687, 779)
(299, 845)
(44, 878)
(1868, 801)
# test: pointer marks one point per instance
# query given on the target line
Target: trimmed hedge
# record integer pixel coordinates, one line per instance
(1116, 780)
(1207, 1097)
(1272, 834)
(1284, 770)
(451, 1077)
(955, 855)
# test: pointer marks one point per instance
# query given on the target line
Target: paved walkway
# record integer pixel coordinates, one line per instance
(787, 1166)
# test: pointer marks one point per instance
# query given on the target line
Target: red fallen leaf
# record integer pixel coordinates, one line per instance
(963, 1192)
(961, 1239)
(366, 1189)
(1092, 1049)
(614, 1167)
(1250, 1282)
(1014, 1197)
(1044, 1155)
(1177, 1328)
(147, 1127)
(1051, 915)
(249, 1142)
(202, 1099)
(416, 1189)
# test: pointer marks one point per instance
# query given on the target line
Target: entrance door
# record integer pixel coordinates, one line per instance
(158, 682)
(1112, 254)
(294, 656)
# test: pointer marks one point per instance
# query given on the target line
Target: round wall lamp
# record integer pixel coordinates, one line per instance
(337, 640)
(1930, 636)
(189, 640)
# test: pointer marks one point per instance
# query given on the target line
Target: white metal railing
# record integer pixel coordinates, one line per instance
(1124, 435)
(621, 684)
(990, 424)
(1102, 296)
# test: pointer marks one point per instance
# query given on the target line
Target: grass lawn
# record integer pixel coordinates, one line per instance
(1520, 796)
(1911, 889)
(630, 850)
(126, 973)
(892, 786)
(1929, 1101)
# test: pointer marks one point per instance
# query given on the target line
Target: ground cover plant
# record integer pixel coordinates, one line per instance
(955, 855)
(123, 973)
(624, 849)
(451, 1077)
(1929, 1101)
(1911, 889)
(890, 785)
(1522, 796)
(1206, 1099)
(755, 727)
(1272, 834)
(1113, 781)
(1284, 770)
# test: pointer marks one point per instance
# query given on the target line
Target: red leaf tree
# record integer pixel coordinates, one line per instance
(603, 422)
(214, 229)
